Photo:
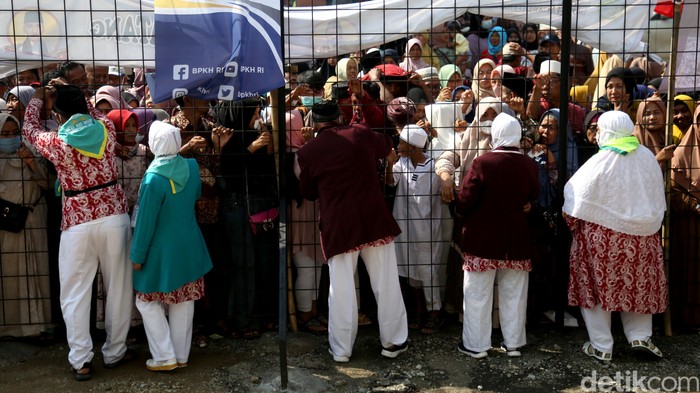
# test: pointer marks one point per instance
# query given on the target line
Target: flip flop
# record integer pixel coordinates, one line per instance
(78, 376)
(251, 333)
(363, 319)
(313, 325)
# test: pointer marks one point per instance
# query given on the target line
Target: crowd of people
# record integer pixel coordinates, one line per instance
(424, 180)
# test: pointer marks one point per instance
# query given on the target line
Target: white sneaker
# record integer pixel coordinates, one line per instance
(339, 359)
(161, 365)
(394, 350)
(512, 352)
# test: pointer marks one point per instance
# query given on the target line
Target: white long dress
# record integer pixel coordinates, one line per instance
(417, 210)
(25, 303)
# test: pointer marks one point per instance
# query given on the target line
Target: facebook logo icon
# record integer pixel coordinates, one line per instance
(181, 72)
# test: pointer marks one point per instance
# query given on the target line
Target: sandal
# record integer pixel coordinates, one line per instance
(313, 325)
(363, 319)
(414, 324)
(646, 349)
(251, 333)
(86, 373)
(129, 355)
(600, 355)
(200, 341)
(323, 319)
(433, 324)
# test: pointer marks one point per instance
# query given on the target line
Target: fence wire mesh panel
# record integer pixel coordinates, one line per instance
(428, 162)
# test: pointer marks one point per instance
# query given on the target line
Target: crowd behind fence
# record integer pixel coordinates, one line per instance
(450, 80)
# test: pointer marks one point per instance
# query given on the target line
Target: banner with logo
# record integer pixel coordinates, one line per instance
(121, 32)
(217, 49)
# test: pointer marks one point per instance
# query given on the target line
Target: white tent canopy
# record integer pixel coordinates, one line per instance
(112, 32)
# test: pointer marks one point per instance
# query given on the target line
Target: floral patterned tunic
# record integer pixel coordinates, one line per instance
(78, 172)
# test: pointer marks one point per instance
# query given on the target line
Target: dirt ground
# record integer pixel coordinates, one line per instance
(552, 362)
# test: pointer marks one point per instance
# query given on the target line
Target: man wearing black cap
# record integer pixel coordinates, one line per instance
(338, 168)
(95, 225)
(551, 45)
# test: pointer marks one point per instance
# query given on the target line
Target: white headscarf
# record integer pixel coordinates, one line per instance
(413, 65)
(482, 106)
(505, 131)
(614, 126)
(624, 193)
(341, 68)
(164, 139)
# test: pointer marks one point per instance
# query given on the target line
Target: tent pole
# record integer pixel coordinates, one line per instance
(665, 231)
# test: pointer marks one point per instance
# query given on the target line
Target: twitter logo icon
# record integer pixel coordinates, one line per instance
(225, 92)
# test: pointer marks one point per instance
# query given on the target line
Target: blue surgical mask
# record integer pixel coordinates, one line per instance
(309, 101)
(10, 145)
(487, 24)
(139, 137)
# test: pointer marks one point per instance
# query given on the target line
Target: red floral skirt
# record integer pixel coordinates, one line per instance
(193, 290)
(620, 272)
(472, 263)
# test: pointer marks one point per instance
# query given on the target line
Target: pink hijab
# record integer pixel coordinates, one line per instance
(112, 95)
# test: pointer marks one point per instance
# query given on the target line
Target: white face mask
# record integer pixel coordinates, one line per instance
(485, 126)
(259, 124)
(487, 24)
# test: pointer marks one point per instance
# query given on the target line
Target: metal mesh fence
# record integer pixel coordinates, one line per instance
(442, 69)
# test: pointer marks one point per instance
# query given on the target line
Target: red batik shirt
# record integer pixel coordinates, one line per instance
(78, 172)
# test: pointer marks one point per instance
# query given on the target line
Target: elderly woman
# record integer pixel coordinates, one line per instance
(614, 206)
(499, 188)
(347, 69)
(168, 251)
(24, 265)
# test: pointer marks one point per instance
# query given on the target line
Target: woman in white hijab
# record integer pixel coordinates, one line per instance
(499, 188)
(347, 69)
(414, 60)
(614, 206)
(168, 251)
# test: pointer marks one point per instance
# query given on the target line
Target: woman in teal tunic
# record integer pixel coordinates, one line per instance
(168, 251)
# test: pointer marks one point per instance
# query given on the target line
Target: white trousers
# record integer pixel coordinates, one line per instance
(478, 303)
(308, 279)
(104, 242)
(636, 327)
(342, 303)
(168, 338)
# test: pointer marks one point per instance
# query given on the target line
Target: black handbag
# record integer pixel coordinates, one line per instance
(13, 217)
